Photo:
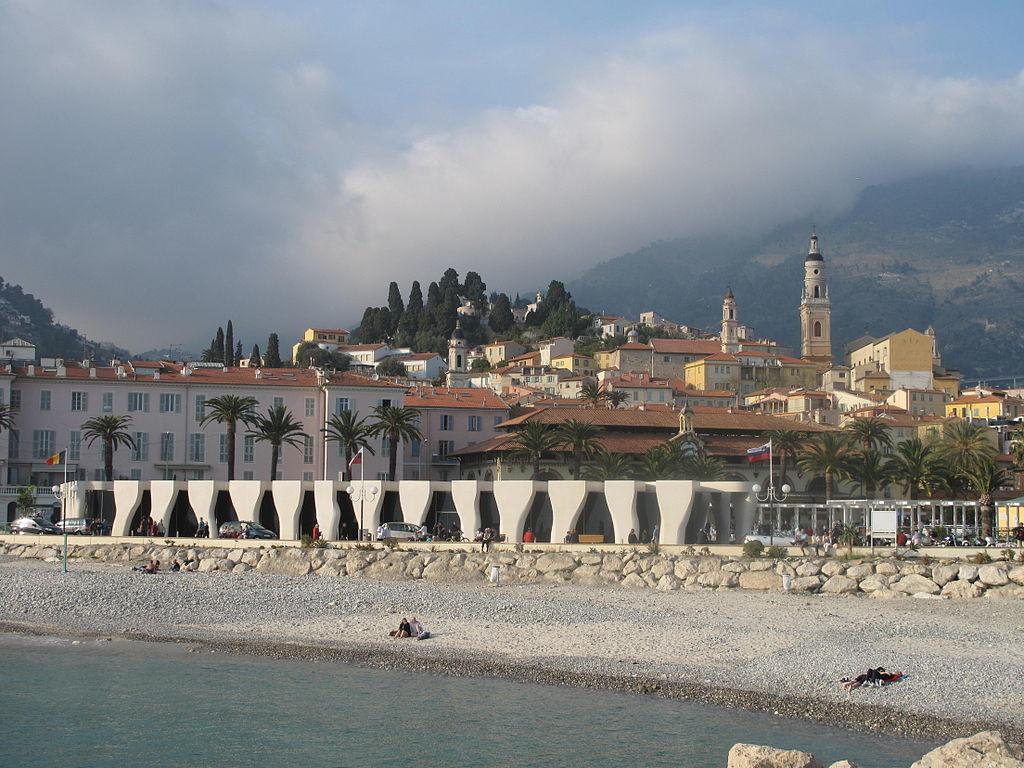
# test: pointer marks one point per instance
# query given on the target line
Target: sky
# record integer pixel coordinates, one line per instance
(167, 166)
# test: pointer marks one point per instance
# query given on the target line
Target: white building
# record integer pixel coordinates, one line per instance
(17, 351)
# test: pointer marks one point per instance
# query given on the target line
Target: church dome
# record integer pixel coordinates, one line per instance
(458, 334)
(813, 254)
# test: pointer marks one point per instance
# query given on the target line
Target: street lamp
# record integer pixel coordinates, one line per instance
(60, 492)
(771, 497)
(362, 494)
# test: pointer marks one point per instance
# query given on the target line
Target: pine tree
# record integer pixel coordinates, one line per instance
(229, 346)
(273, 357)
(255, 361)
(476, 291)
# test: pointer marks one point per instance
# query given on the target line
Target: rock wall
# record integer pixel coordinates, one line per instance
(882, 578)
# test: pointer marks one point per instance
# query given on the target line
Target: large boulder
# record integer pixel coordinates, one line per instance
(810, 568)
(833, 568)
(987, 749)
(556, 561)
(806, 584)
(839, 585)
(887, 568)
(959, 590)
(993, 575)
(668, 583)
(874, 583)
(1016, 575)
(760, 580)
(686, 568)
(915, 584)
(634, 581)
(907, 569)
(718, 579)
(662, 568)
(755, 756)
(860, 570)
(943, 574)
(967, 572)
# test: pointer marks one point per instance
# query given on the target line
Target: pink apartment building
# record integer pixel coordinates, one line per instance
(166, 404)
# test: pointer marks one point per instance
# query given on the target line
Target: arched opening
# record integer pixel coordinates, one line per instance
(549, 474)
(648, 515)
(540, 518)
(224, 510)
(100, 505)
(349, 527)
(489, 515)
(183, 520)
(817, 329)
(142, 516)
(703, 517)
(268, 517)
(732, 315)
(816, 487)
(307, 515)
(391, 508)
(441, 516)
(817, 292)
(595, 518)
(12, 511)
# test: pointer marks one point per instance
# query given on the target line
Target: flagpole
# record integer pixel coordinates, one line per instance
(64, 509)
(362, 492)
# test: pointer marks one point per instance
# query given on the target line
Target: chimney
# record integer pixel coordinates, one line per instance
(31, 370)
(156, 375)
(259, 374)
(92, 373)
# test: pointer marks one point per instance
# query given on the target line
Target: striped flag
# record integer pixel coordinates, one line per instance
(57, 458)
(761, 453)
(357, 459)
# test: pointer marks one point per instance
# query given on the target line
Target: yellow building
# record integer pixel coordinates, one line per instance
(578, 364)
(982, 406)
(920, 402)
(747, 372)
(905, 359)
(328, 338)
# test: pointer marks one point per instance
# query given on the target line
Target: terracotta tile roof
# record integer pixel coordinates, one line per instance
(706, 418)
(886, 408)
(330, 330)
(417, 356)
(269, 377)
(359, 347)
(723, 446)
(722, 357)
(974, 399)
(453, 397)
(686, 346)
(633, 346)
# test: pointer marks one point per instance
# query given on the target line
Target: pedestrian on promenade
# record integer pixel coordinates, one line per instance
(528, 537)
(486, 539)
(316, 532)
(632, 539)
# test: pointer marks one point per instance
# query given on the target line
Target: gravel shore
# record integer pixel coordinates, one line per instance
(774, 652)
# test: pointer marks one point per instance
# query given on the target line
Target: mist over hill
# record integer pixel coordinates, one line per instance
(945, 249)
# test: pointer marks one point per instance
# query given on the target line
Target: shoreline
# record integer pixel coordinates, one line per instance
(854, 716)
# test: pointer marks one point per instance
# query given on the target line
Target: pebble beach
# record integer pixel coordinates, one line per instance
(776, 652)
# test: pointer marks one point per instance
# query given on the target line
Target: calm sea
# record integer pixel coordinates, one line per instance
(152, 705)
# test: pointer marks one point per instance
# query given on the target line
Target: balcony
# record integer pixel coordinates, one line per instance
(436, 459)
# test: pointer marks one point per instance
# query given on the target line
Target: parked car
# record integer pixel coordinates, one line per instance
(778, 540)
(78, 525)
(236, 530)
(401, 531)
(34, 525)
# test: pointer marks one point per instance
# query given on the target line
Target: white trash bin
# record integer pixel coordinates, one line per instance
(496, 575)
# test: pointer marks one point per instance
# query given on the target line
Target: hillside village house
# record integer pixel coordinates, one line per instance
(325, 338)
(920, 402)
(639, 387)
(428, 366)
(580, 365)
(451, 419)
(502, 351)
(17, 351)
(704, 398)
(993, 405)
(166, 404)
(906, 359)
(549, 349)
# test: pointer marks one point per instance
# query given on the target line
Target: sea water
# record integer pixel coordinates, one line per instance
(122, 703)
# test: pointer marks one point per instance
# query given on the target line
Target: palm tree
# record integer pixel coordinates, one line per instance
(658, 463)
(278, 428)
(591, 392)
(349, 432)
(702, 467)
(398, 424)
(964, 444)
(986, 477)
(786, 443)
(6, 418)
(533, 440)
(112, 431)
(870, 431)
(580, 437)
(1017, 453)
(872, 469)
(609, 466)
(229, 410)
(615, 399)
(916, 467)
(827, 455)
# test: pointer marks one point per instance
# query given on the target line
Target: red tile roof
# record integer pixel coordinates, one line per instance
(706, 418)
(453, 397)
(686, 346)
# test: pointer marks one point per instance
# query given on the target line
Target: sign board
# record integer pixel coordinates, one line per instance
(883, 523)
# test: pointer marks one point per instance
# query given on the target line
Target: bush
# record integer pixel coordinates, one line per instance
(779, 552)
(753, 548)
(981, 558)
(653, 548)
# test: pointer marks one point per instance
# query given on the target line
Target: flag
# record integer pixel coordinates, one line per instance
(357, 459)
(57, 458)
(761, 453)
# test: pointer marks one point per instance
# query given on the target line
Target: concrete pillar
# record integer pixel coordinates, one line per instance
(162, 495)
(746, 509)
(246, 497)
(288, 496)
(513, 499)
(675, 500)
(328, 513)
(202, 495)
(621, 497)
(415, 496)
(369, 504)
(466, 495)
(567, 500)
(127, 495)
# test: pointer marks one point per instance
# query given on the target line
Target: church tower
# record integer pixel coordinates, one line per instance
(457, 375)
(815, 310)
(730, 324)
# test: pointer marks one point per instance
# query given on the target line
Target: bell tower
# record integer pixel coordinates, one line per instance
(815, 309)
(730, 324)
(457, 374)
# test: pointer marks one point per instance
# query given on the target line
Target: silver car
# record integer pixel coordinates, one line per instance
(400, 531)
(79, 525)
(34, 525)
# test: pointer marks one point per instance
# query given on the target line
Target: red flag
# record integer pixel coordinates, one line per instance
(357, 459)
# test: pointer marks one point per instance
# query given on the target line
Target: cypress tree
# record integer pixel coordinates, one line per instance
(415, 304)
(229, 346)
(255, 361)
(395, 306)
(238, 352)
(501, 318)
(273, 357)
(218, 346)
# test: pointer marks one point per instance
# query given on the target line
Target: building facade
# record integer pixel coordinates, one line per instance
(815, 310)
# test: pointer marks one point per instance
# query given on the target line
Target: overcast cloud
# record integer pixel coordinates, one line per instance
(165, 167)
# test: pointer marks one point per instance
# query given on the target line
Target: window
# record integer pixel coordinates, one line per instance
(414, 448)
(138, 402)
(382, 475)
(307, 450)
(74, 445)
(197, 447)
(278, 402)
(498, 420)
(13, 443)
(310, 406)
(386, 402)
(247, 475)
(223, 448)
(97, 474)
(141, 450)
(817, 328)
(44, 400)
(475, 423)
(444, 447)
(79, 401)
(385, 445)
(200, 407)
(43, 441)
(170, 403)
(167, 446)
(341, 404)
(15, 399)
(135, 473)
(108, 402)
(307, 476)
(447, 422)
(248, 448)
(817, 292)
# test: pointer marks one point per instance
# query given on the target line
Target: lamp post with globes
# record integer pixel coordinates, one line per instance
(363, 493)
(771, 497)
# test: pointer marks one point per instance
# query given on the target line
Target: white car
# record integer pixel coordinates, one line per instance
(779, 540)
(400, 531)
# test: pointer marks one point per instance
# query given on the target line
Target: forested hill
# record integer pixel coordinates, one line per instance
(945, 250)
(24, 316)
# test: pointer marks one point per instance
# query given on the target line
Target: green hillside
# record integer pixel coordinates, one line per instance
(945, 250)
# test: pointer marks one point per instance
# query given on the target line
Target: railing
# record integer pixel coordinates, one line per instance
(14, 490)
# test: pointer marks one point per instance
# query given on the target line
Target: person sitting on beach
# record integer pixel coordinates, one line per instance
(153, 566)
(175, 566)
(876, 677)
(416, 629)
(404, 630)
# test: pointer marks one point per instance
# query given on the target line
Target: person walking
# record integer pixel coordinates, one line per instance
(316, 532)
(486, 539)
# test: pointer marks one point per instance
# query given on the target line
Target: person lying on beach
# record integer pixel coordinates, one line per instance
(876, 677)
(417, 630)
(153, 566)
(404, 630)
